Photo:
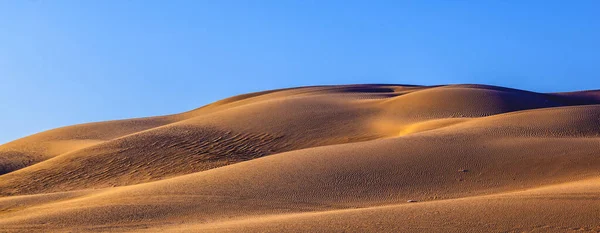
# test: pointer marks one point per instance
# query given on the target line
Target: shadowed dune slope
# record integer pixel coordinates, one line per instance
(39, 147)
(570, 207)
(323, 158)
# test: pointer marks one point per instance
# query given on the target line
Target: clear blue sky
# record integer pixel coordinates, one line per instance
(68, 62)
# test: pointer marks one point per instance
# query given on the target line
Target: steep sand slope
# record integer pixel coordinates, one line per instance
(200, 143)
(341, 158)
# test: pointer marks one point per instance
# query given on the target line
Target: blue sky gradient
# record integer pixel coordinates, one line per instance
(68, 62)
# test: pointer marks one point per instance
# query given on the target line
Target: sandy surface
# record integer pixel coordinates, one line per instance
(470, 158)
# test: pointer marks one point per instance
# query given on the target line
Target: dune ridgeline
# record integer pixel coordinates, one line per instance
(351, 158)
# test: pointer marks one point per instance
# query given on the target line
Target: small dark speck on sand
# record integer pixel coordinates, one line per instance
(411, 201)
(463, 170)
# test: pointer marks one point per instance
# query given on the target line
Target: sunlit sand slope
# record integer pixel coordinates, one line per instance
(329, 158)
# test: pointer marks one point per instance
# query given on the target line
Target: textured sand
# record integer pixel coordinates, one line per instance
(474, 158)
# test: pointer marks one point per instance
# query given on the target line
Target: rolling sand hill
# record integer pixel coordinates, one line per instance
(354, 158)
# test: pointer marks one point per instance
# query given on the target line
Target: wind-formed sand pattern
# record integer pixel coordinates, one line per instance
(353, 158)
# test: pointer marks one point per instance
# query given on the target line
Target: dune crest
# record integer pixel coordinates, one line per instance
(321, 158)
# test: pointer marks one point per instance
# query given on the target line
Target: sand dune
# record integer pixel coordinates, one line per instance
(323, 158)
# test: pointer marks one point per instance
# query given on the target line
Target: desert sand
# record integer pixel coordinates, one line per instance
(351, 158)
